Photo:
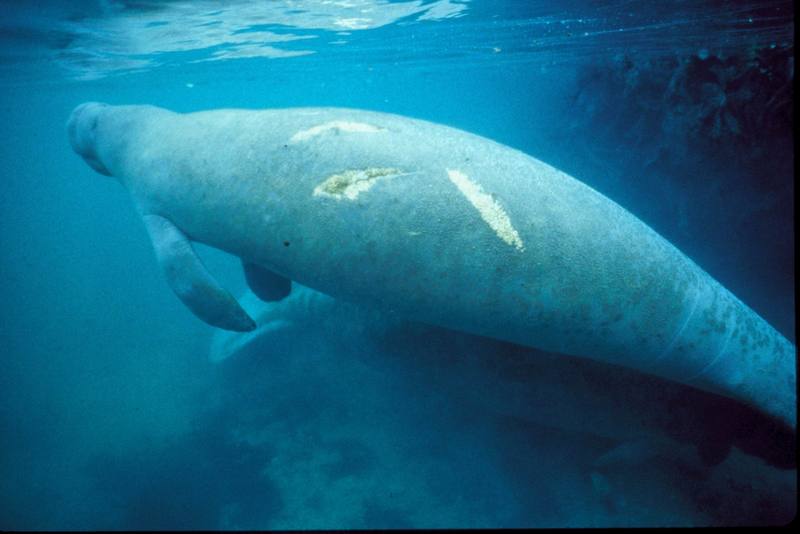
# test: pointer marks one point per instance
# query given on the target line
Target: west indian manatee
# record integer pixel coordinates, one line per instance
(435, 223)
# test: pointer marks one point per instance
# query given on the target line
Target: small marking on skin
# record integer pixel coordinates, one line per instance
(352, 182)
(339, 126)
(489, 209)
(708, 366)
(682, 328)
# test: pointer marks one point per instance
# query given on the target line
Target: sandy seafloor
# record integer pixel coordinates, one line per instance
(113, 416)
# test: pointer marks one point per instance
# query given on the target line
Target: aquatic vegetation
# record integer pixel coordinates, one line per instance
(199, 480)
(723, 106)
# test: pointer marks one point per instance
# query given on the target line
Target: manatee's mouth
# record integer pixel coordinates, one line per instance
(81, 129)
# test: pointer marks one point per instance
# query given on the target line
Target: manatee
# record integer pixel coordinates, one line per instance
(433, 223)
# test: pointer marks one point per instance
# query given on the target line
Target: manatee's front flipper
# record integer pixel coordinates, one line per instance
(189, 279)
(267, 285)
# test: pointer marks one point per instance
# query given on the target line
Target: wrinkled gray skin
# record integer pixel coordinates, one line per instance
(648, 415)
(534, 256)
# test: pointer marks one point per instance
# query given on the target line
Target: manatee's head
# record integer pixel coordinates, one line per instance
(82, 129)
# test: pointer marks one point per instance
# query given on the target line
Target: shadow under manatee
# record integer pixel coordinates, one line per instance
(335, 416)
(533, 393)
(374, 419)
(204, 479)
(344, 418)
(576, 393)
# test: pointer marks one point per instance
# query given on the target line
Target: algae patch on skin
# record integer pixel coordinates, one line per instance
(352, 182)
(336, 126)
(489, 209)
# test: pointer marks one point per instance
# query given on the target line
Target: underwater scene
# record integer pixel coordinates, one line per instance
(379, 264)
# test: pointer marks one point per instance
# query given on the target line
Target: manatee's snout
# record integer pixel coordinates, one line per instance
(82, 131)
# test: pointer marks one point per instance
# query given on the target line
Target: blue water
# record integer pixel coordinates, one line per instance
(112, 415)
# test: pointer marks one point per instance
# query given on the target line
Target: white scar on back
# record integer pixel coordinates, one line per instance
(352, 182)
(490, 210)
(338, 126)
